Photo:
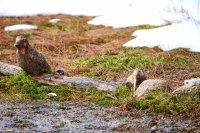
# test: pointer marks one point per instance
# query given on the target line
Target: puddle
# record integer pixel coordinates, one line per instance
(43, 116)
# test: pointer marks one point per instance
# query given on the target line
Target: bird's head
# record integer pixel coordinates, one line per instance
(21, 43)
(136, 73)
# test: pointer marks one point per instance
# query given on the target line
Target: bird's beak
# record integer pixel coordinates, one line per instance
(16, 45)
(134, 87)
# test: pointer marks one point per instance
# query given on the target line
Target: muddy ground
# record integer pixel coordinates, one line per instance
(44, 116)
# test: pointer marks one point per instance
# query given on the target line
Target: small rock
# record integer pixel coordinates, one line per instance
(149, 85)
(59, 124)
(190, 86)
(192, 81)
(187, 89)
(153, 128)
(52, 94)
(6, 130)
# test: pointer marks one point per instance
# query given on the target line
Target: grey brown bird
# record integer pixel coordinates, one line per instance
(136, 78)
(29, 59)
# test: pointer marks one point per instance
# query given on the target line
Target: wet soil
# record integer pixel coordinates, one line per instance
(46, 116)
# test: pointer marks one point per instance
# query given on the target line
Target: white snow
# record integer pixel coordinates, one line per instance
(20, 27)
(183, 14)
(178, 35)
(55, 20)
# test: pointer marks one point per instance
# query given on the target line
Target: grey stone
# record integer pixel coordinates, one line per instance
(187, 89)
(192, 81)
(150, 84)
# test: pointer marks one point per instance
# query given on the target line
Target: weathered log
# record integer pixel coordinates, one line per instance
(50, 79)
(79, 82)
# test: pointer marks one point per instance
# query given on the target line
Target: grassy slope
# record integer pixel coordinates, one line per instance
(97, 52)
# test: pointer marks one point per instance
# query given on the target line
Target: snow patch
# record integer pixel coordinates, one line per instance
(54, 20)
(185, 35)
(20, 27)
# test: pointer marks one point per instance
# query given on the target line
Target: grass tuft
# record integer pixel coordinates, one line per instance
(22, 33)
(160, 101)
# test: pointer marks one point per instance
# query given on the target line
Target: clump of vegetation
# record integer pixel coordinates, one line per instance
(147, 26)
(23, 33)
(161, 101)
(22, 86)
(48, 24)
(75, 25)
(108, 65)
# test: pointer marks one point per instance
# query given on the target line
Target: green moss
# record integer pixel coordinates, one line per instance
(21, 84)
(122, 92)
(47, 24)
(161, 101)
(110, 61)
(59, 26)
(108, 65)
(99, 97)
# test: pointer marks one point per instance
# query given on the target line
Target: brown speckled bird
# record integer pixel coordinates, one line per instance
(29, 59)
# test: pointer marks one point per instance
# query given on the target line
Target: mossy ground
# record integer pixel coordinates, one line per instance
(97, 52)
(21, 87)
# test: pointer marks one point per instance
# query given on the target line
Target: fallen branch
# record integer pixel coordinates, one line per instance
(79, 82)
(49, 79)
